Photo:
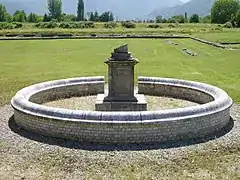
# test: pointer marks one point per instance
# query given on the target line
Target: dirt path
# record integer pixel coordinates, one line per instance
(25, 155)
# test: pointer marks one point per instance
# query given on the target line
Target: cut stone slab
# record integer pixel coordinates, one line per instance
(187, 51)
(121, 81)
(139, 105)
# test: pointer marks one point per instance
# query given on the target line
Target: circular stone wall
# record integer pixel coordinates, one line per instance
(211, 115)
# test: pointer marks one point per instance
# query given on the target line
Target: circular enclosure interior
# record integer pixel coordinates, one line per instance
(211, 115)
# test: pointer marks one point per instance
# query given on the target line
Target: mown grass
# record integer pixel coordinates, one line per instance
(221, 37)
(235, 46)
(28, 62)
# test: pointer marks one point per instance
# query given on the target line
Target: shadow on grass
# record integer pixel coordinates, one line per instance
(96, 147)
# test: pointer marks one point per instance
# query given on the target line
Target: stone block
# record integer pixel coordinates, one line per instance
(121, 80)
(139, 105)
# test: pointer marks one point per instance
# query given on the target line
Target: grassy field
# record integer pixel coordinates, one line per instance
(220, 37)
(141, 28)
(27, 62)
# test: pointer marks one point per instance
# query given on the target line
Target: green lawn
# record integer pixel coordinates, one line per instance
(27, 62)
(221, 37)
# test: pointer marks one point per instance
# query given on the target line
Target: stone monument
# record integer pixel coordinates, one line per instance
(121, 95)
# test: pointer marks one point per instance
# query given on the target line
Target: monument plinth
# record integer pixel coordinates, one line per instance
(121, 95)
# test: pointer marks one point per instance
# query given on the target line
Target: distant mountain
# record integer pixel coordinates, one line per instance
(201, 7)
(129, 9)
(123, 9)
(37, 6)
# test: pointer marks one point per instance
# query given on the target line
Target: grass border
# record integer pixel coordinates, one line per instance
(118, 36)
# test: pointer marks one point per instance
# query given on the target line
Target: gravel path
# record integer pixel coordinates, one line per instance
(25, 155)
(88, 103)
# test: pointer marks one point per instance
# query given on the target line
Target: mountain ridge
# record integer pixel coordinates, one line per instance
(123, 10)
(200, 7)
(137, 9)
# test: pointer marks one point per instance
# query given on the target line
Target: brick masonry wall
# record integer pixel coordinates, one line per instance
(124, 127)
(67, 92)
(118, 133)
(175, 92)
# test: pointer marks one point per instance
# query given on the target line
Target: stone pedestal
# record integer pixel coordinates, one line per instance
(121, 81)
(121, 96)
(139, 105)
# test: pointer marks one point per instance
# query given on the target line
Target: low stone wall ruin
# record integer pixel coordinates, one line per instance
(211, 115)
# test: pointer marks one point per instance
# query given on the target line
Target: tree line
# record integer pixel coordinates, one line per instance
(223, 11)
(195, 18)
(55, 12)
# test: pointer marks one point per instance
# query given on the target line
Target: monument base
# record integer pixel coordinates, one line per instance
(139, 105)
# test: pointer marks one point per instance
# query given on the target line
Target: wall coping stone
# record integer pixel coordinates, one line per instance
(21, 103)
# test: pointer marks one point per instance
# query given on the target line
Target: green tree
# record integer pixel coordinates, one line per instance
(32, 18)
(177, 19)
(68, 17)
(92, 17)
(238, 18)
(224, 10)
(159, 19)
(46, 18)
(88, 15)
(164, 20)
(55, 9)
(3, 13)
(206, 19)
(111, 17)
(19, 16)
(149, 21)
(194, 18)
(96, 16)
(40, 18)
(105, 17)
(9, 18)
(186, 17)
(80, 10)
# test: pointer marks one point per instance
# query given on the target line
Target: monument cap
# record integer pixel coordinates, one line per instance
(121, 54)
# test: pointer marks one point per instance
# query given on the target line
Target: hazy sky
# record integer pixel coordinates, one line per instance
(34, 0)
